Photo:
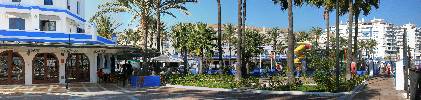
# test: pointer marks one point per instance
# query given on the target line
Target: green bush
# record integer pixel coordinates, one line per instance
(324, 77)
(212, 81)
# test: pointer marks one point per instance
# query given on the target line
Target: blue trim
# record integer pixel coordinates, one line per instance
(44, 9)
(51, 41)
(40, 37)
(44, 34)
(104, 40)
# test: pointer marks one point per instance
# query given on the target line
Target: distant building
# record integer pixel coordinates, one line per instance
(387, 35)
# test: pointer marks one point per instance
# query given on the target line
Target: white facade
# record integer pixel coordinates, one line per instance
(66, 22)
(30, 28)
(387, 35)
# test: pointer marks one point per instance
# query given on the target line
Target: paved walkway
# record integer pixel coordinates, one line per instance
(379, 88)
(87, 91)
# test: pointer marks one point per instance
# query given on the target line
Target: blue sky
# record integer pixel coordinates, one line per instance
(263, 13)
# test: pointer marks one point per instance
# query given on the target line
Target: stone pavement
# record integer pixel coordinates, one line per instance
(379, 88)
(87, 91)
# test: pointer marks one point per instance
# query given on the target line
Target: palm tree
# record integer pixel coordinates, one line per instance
(328, 6)
(164, 7)
(337, 45)
(219, 34)
(228, 37)
(365, 6)
(180, 34)
(129, 36)
(274, 33)
(316, 32)
(239, 47)
(139, 9)
(105, 26)
(287, 5)
(291, 42)
(201, 42)
(349, 49)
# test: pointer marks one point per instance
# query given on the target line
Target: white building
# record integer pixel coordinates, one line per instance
(387, 35)
(34, 38)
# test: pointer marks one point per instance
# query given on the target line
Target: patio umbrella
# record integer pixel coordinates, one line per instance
(165, 58)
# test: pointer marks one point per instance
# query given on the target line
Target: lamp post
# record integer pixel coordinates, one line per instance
(68, 55)
(260, 56)
(271, 59)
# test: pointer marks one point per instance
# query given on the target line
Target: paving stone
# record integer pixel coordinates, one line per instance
(95, 89)
(77, 89)
(58, 90)
(379, 88)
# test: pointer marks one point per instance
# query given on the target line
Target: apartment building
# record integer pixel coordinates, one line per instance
(388, 36)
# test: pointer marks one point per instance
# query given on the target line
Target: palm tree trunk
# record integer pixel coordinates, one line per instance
(158, 25)
(203, 61)
(229, 46)
(326, 16)
(144, 25)
(151, 39)
(291, 44)
(337, 46)
(220, 35)
(356, 36)
(349, 50)
(239, 48)
(244, 60)
(186, 64)
(274, 44)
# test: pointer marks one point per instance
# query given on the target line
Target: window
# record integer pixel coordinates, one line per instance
(80, 30)
(78, 7)
(17, 23)
(68, 4)
(16, 0)
(48, 2)
(46, 25)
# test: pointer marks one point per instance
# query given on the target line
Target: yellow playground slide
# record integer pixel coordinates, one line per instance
(301, 46)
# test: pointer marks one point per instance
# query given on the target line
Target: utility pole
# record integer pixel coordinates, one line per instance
(68, 55)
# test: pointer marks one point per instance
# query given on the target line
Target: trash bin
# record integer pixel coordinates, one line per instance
(414, 87)
(134, 81)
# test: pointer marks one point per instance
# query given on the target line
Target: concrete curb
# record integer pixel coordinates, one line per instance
(260, 91)
(354, 91)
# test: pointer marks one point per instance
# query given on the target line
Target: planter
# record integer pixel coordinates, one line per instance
(145, 81)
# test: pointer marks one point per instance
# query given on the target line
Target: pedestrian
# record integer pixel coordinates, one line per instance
(388, 70)
(127, 72)
(100, 74)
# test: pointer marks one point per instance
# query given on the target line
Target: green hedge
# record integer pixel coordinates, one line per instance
(212, 81)
(325, 83)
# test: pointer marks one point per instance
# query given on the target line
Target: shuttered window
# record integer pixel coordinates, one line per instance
(17, 23)
(48, 2)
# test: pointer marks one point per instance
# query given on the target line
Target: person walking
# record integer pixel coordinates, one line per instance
(127, 70)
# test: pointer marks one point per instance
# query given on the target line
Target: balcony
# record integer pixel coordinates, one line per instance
(50, 37)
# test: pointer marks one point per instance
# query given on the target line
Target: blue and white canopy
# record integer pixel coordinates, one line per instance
(51, 37)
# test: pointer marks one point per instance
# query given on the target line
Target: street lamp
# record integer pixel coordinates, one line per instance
(68, 55)
(260, 56)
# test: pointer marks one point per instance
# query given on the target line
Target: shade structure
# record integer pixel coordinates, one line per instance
(166, 58)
